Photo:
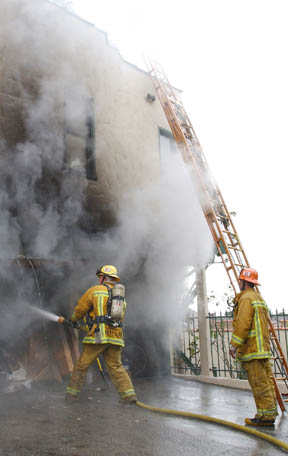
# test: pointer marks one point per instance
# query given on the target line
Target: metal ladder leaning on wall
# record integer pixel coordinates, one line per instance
(213, 205)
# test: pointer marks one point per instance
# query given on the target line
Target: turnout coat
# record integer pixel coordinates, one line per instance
(251, 326)
(94, 302)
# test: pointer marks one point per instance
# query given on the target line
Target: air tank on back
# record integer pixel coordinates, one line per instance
(117, 306)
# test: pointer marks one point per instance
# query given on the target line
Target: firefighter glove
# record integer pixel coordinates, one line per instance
(74, 324)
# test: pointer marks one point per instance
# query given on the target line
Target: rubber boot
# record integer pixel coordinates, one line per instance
(130, 400)
(71, 398)
(259, 422)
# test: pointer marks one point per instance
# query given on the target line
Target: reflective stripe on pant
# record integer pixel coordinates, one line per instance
(260, 378)
(112, 358)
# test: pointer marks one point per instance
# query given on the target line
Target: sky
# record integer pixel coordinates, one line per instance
(230, 60)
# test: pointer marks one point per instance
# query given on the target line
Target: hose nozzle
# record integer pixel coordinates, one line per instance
(64, 321)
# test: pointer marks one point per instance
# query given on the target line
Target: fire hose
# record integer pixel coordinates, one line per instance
(196, 416)
(211, 419)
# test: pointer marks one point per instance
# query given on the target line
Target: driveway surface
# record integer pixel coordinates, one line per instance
(35, 421)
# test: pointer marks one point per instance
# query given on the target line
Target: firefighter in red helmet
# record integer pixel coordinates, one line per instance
(250, 343)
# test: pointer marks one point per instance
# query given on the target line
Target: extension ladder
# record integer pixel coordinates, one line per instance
(218, 217)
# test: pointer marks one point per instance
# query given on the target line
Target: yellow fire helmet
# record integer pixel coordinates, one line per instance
(108, 270)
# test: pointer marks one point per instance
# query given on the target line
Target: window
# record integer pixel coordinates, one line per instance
(80, 139)
(90, 142)
(75, 152)
(168, 145)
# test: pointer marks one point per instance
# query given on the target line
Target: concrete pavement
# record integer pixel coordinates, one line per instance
(37, 422)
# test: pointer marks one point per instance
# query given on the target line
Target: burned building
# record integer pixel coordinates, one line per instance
(89, 175)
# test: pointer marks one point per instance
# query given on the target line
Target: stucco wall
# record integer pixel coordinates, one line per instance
(126, 125)
(73, 61)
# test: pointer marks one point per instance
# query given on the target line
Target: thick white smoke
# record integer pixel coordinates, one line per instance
(160, 228)
(39, 199)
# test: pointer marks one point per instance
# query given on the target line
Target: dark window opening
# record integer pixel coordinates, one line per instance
(80, 141)
(167, 144)
(90, 143)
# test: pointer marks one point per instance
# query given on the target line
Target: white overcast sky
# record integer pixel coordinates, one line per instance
(230, 59)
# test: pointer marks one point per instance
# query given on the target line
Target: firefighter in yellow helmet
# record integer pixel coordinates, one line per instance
(104, 335)
(250, 342)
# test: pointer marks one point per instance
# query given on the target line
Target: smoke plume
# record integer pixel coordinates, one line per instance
(159, 229)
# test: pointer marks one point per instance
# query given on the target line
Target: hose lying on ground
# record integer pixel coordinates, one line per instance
(239, 427)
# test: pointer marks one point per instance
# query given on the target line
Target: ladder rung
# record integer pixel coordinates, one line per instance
(176, 102)
(284, 400)
(230, 233)
(183, 121)
(277, 357)
(218, 202)
(279, 379)
(187, 135)
(221, 217)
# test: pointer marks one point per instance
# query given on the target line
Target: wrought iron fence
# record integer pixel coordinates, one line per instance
(186, 353)
(185, 348)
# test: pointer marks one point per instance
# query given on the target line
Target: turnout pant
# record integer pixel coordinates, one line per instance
(260, 378)
(112, 358)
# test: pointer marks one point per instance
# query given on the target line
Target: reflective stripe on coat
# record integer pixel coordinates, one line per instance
(251, 326)
(95, 302)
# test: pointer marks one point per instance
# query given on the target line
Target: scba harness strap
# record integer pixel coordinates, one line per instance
(104, 318)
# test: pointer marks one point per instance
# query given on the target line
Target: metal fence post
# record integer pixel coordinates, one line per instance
(204, 331)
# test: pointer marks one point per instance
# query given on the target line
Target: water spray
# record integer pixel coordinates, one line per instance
(53, 317)
(44, 313)
(74, 325)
